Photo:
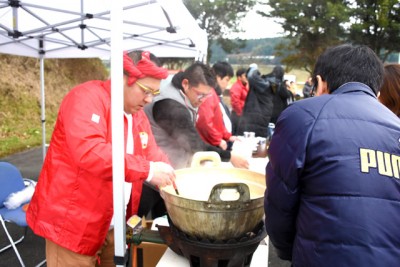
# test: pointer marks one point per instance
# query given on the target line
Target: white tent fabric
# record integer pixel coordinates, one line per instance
(82, 29)
(92, 28)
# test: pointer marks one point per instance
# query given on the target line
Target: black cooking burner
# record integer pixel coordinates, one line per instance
(237, 252)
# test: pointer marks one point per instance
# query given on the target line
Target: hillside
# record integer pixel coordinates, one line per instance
(20, 97)
(260, 51)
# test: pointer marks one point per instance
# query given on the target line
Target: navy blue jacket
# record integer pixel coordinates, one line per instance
(333, 188)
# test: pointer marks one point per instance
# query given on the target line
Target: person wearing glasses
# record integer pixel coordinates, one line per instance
(72, 207)
(173, 116)
(332, 196)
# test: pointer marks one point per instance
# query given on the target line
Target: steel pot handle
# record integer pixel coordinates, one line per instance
(203, 156)
(242, 189)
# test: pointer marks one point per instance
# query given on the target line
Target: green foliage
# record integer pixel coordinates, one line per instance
(377, 24)
(313, 25)
(176, 63)
(260, 51)
(218, 54)
(220, 18)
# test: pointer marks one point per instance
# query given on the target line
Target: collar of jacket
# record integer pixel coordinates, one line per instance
(218, 90)
(354, 87)
(187, 102)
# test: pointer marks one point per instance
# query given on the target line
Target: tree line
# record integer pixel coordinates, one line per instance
(310, 26)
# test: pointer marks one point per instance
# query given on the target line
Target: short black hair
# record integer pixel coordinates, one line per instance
(349, 63)
(240, 72)
(222, 69)
(197, 73)
(278, 72)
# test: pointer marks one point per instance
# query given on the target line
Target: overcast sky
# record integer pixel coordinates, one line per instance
(257, 27)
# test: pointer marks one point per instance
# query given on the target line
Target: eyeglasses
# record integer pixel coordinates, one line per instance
(200, 95)
(148, 91)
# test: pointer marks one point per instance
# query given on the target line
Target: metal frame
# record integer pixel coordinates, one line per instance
(88, 34)
(90, 27)
(13, 243)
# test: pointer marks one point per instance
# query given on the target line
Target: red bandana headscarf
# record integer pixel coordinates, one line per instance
(144, 68)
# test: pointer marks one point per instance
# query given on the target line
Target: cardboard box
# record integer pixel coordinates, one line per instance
(147, 254)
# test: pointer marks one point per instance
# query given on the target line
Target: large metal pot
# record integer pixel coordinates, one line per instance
(215, 203)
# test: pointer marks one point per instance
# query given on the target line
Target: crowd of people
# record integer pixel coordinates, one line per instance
(332, 195)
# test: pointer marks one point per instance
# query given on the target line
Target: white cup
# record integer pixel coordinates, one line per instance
(249, 134)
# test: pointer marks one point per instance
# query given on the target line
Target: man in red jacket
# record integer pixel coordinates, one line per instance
(72, 207)
(238, 94)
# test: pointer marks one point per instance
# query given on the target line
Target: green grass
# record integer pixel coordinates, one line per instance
(20, 100)
(21, 127)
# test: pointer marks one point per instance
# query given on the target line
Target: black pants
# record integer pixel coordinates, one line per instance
(151, 201)
(235, 123)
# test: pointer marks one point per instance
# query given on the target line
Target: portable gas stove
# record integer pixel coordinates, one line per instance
(236, 252)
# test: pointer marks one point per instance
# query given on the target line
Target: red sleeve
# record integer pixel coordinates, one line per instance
(209, 119)
(136, 168)
(235, 94)
(84, 115)
(146, 150)
(243, 96)
(225, 134)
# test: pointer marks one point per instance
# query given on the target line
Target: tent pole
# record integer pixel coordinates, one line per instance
(42, 105)
(117, 119)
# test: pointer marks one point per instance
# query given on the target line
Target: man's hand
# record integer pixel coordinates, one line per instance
(223, 144)
(163, 174)
(238, 161)
(233, 138)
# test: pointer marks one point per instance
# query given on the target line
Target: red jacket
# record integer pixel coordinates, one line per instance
(238, 93)
(73, 201)
(210, 123)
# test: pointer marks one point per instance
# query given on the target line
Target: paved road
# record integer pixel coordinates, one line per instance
(32, 249)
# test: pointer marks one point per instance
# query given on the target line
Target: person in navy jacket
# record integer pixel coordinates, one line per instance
(333, 188)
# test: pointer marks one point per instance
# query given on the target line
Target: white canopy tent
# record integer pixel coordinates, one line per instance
(91, 28)
(83, 29)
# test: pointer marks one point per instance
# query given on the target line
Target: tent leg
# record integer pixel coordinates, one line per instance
(117, 100)
(43, 110)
